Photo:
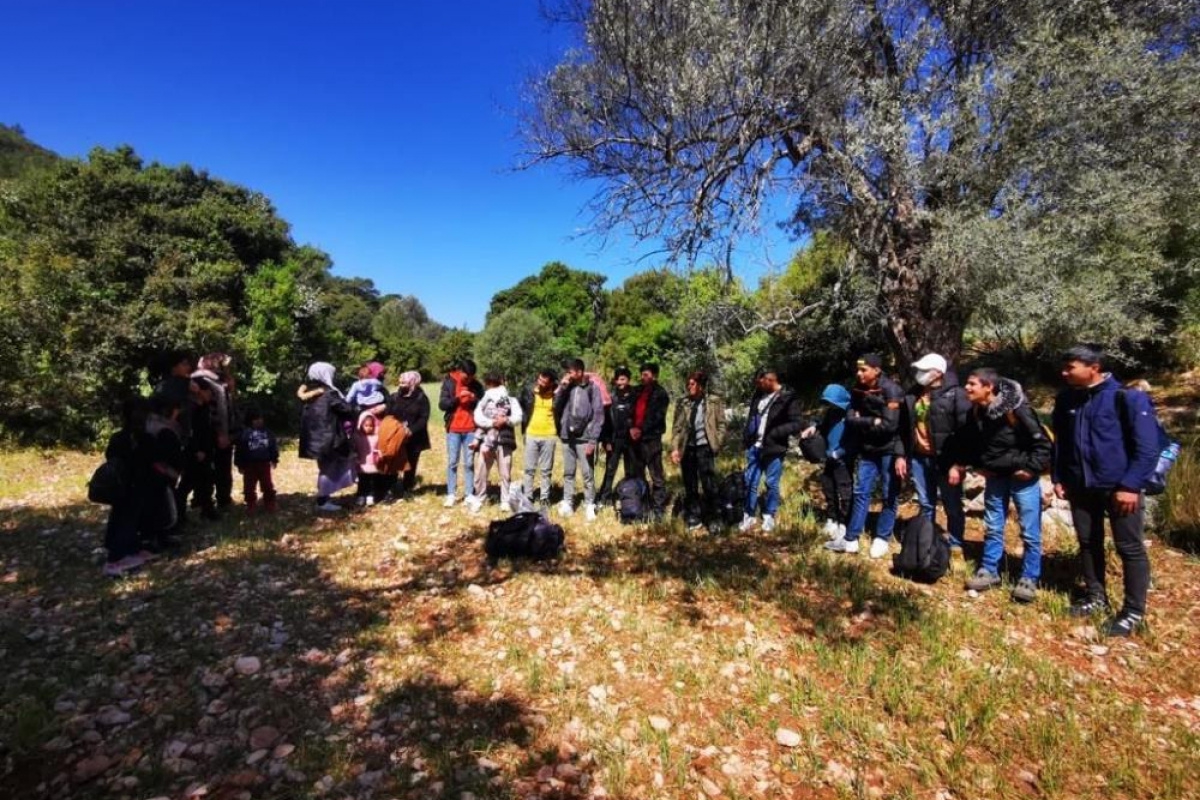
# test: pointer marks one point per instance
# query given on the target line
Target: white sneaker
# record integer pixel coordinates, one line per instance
(841, 530)
(449, 501)
(768, 523)
(473, 504)
(748, 522)
(329, 505)
(842, 546)
(368, 501)
(880, 547)
(589, 512)
(565, 509)
(360, 502)
(830, 529)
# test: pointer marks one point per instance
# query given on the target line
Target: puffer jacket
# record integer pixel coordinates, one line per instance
(1004, 437)
(948, 411)
(322, 431)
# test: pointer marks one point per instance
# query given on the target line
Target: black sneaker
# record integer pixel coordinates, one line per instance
(1123, 625)
(1089, 607)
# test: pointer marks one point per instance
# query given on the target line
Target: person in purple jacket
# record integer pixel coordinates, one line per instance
(1106, 449)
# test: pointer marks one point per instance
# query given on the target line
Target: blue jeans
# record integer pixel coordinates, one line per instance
(872, 469)
(457, 447)
(931, 482)
(756, 469)
(1027, 497)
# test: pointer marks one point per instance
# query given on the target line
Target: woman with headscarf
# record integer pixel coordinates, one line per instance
(325, 433)
(215, 372)
(410, 405)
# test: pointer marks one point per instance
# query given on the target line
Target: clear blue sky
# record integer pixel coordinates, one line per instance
(384, 132)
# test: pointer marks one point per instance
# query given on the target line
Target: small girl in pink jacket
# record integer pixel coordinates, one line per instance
(366, 442)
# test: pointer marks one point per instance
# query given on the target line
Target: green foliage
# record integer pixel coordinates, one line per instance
(406, 335)
(516, 343)
(639, 325)
(452, 347)
(19, 156)
(570, 301)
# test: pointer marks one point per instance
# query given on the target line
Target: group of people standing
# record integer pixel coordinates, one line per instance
(1101, 451)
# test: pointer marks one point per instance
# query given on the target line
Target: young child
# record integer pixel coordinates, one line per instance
(255, 453)
(837, 482)
(495, 402)
(366, 444)
(368, 391)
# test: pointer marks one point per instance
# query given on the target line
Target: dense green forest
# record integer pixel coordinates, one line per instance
(107, 261)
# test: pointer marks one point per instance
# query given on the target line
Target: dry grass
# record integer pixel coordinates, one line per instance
(648, 663)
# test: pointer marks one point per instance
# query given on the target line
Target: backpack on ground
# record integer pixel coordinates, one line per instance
(732, 498)
(631, 500)
(392, 435)
(526, 535)
(924, 554)
(1168, 448)
(110, 483)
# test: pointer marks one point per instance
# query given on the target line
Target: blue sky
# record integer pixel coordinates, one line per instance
(384, 132)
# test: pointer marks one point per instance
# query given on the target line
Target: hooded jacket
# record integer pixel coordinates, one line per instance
(366, 445)
(947, 414)
(1098, 449)
(1005, 436)
(488, 406)
(579, 411)
(322, 434)
(832, 425)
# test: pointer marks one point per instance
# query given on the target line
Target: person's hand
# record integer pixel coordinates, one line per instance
(635, 434)
(608, 447)
(955, 476)
(808, 432)
(676, 457)
(901, 467)
(1022, 474)
(1060, 491)
(590, 449)
(1125, 502)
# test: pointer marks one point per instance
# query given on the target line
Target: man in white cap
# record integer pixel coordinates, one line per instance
(935, 411)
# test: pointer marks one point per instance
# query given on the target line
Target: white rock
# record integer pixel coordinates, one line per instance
(660, 724)
(787, 737)
(247, 665)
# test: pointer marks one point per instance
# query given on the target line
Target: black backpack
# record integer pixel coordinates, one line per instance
(631, 500)
(813, 448)
(525, 535)
(110, 482)
(924, 554)
(732, 498)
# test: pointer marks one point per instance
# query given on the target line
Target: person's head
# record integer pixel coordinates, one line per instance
(546, 378)
(869, 368)
(255, 419)
(930, 369)
(649, 373)
(697, 383)
(769, 381)
(621, 376)
(981, 386)
(179, 363)
(493, 379)
(409, 381)
(367, 424)
(468, 367)
(575, 370)
(322, 372)
(216, 363)
(1083, 366)
(374, 370)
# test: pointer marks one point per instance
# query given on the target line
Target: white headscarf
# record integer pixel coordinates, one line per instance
(322, 372)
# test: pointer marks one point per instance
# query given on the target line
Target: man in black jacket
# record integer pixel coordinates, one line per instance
(615, 436)
(774, 417)
(1004, 440)
(646, 431)
(873, 438)
(935, 412)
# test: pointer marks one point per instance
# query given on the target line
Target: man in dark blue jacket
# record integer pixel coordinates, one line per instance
(1106, 450)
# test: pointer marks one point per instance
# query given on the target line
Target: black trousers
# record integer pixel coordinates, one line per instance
(699, 467)
(197, 479)
(223, 475)
(838, 486)
(649, 456)
(622, 450)
(1089, 507)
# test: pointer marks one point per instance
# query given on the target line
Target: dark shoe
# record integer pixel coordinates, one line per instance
(983, 580)
(1089, 607)
(1123, 625)
(604, 499)
(1025, 591)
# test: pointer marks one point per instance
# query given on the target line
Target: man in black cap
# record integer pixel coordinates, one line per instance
(872, 437)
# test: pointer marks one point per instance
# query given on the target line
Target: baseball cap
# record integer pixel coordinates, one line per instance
(931, 361)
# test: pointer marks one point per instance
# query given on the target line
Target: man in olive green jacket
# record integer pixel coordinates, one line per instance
(696, 437)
